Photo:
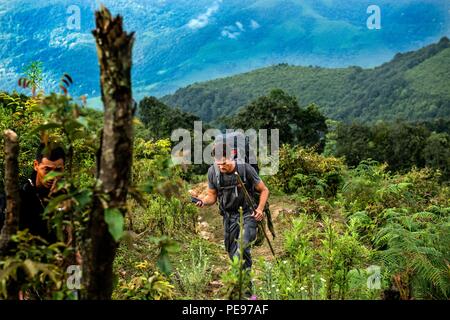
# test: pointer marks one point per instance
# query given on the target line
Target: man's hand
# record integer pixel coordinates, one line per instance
(200, 203)
(209, 200)
(258, 214)
(264, 195)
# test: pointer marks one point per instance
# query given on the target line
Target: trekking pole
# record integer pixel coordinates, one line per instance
(253, 206)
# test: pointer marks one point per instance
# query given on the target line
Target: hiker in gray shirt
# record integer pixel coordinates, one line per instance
(223, 186)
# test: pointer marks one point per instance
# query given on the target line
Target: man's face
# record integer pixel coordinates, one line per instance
(225, 165)
(44, 167)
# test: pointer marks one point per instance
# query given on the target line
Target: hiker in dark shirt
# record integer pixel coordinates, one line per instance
(35, 194)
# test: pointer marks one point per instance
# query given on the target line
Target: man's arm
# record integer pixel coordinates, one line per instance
(264, 195)
(209, 200)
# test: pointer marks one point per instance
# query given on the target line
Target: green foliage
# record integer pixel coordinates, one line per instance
(194, 273)
(401, 145)
(18, 104)
(223, 97)
(340, 253)
(114, 219)
(436, 153)
(160, 120)
(146, 285)
(427, 77)
(417, 252)
(34, 75)
(371, 194)
(305, 172)
(276, 282)
(235, 280)
(154, 171)
(163, 216)
(330, 138)
(375, 219)
(17, 112)
(278, 110)
(319, 263)
(362, 184)
(161, 203)
(34, 268)
(404, 217)
(166, 246)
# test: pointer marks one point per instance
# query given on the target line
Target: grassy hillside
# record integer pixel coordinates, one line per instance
(412, 86)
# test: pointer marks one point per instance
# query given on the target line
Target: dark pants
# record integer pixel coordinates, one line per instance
(231, 227)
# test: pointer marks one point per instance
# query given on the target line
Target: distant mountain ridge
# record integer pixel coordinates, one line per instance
(412, 86)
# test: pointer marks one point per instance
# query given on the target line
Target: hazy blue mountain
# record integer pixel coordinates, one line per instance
(180, 42)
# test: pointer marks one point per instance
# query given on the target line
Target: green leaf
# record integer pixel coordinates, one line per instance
(164, 265)
(52, 175)
(167, 246)
(30, 268)
(115, 221)
(72, 125)
(54, 202)
(82, 121)
(83, 198)
(47, 110)
(47, 126)
(171, 246)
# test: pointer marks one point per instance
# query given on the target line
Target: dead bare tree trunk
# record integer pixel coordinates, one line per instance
(11, 189)
(12, 202)
(114, 49)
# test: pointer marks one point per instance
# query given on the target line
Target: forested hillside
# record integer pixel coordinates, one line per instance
(412, 86)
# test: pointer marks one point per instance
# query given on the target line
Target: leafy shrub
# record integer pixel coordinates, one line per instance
(36, 269)
(319, 263)
(145, 285)
(416, 252)
(194, 272)
(306, 172)
(236, 280)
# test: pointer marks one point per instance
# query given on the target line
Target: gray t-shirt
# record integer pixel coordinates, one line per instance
(230, 195)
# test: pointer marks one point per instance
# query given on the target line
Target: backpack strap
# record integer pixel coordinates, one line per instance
(217, 175)
(241, 169)
(219, 188)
